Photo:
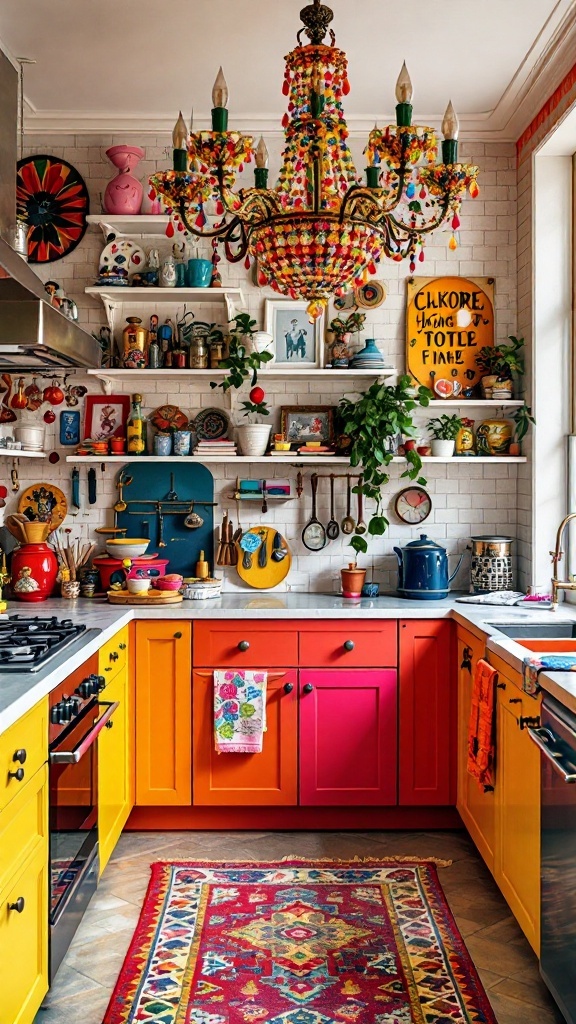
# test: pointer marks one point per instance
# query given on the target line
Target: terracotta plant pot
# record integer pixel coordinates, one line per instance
(352, 580)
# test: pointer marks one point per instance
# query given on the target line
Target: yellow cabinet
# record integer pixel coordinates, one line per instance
(476, 807)
(23, 749)
(163, 713)
(24, 941)
(114, 768)
(113, 655)
(517, 855)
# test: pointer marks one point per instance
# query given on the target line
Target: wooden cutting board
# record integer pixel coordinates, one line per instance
(273, 572)
(149, 598)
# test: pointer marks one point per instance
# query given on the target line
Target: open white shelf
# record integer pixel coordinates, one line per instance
(475, 403)
(291, 459)
(115, 298)
(143, 224)
(279, 373)
(18, 453)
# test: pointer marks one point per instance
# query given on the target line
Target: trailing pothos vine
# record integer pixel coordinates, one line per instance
(383, 411)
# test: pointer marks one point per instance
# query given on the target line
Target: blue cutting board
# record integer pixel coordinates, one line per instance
(152, 482)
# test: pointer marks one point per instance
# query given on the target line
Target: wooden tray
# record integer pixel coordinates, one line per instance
(151, 597)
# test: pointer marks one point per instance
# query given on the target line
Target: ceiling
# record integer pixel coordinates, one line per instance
(132, 65)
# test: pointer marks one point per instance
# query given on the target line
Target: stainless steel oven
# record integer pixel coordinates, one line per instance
(556, 738)
(76, 718)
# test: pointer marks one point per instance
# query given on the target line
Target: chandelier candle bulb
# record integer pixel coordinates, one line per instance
(220, 99)
(450, 129)
(180, 142)
(261, 170)
(404, 92)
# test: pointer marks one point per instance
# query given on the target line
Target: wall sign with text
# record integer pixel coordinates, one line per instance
(448, 321)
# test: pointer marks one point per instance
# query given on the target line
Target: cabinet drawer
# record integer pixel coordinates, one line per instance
(23, 825)
(27, 738)
(24, 941)
(357, 646)
(253, 645)
(113, 656)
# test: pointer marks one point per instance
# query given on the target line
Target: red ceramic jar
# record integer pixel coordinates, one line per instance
(34, 570)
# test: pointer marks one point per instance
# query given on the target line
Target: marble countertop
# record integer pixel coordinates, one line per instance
(19, 691)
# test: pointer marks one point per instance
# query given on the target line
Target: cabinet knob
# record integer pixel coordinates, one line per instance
(178, 635)
(18, 774)
(18, 906)
(500, 686)
(122, 647)
(348, 645)
(308, 688)
(288, 687)
(244, 645)
(20, 755)
(515, 700)
(108, 668)
(109, 724)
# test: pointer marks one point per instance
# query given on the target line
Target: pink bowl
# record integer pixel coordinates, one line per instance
(164, 584)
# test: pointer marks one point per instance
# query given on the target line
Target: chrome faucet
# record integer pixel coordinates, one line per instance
(557, 584)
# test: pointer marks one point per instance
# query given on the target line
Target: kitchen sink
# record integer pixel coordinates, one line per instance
(537, 630)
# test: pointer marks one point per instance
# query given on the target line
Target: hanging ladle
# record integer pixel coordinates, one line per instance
(314, 534)
(193, 521)
(360, 525)
(332, 530)
(348, 522)
(121, 505)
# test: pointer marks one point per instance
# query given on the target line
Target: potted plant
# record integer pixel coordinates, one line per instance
(381, 413)
(444, 431)
(243, 366)
(342, 331)
(498, 363)
(522, 418)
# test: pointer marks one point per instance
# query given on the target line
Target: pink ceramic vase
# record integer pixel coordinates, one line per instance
(124, 193)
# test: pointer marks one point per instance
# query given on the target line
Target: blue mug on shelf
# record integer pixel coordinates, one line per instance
(180, 269)
(199, 273)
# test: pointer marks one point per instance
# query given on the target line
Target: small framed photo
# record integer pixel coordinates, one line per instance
(302, 423)
(106, 416)
(297, 342)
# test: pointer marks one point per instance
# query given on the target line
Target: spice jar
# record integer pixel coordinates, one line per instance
(134, 344)
(198, 353)
(217, 350)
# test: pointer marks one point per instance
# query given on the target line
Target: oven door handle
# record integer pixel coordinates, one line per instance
(73, 756)
(541, 737)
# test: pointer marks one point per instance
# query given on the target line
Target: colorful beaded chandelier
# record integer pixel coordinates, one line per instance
(321, 230)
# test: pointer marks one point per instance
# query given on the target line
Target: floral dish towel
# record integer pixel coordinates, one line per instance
(239, 711)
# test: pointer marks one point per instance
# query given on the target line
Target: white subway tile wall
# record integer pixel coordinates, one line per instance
(467, 498)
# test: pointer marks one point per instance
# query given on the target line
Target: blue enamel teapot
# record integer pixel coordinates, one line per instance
(423, 570)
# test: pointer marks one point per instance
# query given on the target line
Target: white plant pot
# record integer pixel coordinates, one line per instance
(262, 341)
(442, 449)
(253, 438)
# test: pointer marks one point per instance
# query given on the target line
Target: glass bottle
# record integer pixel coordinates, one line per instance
(198, 353)
(136, 428)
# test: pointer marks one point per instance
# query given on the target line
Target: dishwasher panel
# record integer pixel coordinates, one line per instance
(557, 741)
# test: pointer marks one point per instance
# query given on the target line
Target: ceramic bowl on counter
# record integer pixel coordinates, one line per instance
(171, 582)
(127, 547)
(201, 590)
(138, 586)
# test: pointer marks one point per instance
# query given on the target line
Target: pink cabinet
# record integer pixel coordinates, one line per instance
(427, 713)
(348, 743)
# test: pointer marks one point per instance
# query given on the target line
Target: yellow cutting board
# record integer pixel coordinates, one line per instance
(274, 572)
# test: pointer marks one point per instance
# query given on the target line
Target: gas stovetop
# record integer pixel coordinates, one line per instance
(28, 643)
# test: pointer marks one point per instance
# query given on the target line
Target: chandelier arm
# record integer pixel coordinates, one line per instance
(200, 232)
(426, 229)
(242, 237)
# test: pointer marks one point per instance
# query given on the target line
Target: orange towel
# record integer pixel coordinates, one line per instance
(481, 729)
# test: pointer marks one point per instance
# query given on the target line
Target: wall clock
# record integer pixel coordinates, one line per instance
(413, 505)
(52, 199)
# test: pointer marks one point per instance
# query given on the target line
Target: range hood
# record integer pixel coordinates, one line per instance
(34, 335)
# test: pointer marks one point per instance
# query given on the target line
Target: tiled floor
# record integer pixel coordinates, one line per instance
(507, 966)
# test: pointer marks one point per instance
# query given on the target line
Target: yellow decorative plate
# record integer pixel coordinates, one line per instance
(44, 503)
(262, 578)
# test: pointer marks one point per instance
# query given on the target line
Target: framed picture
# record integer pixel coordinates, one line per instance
(302, 423)
(106, 416)
(297, 342)
(69, 426)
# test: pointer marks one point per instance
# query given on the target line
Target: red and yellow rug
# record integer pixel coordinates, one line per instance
(297, 942)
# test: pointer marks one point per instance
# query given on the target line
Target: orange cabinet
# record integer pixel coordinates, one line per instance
(163, 713)
(265, 779)
(475, 806)
(335, 644)
(230, 644)
(427, 713)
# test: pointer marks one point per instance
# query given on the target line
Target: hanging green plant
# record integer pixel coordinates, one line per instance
(239, 361)
(382, 412)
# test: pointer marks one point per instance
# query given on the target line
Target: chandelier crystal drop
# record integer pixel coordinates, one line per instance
(320, 230)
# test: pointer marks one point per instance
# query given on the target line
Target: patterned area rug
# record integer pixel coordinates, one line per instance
(297, 942)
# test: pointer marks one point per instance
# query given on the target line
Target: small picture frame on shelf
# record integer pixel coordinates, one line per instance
(297, 341)
(106, 416)
(301, 424)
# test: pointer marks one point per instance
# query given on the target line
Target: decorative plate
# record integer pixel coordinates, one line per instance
(52, 198)
(120, 258)
(168, 417)
(211, 424)
(44, 503)
(370, 295)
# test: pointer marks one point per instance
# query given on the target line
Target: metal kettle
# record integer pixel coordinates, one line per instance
(423, 570)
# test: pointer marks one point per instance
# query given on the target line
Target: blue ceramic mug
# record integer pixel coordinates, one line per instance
(199, 273)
